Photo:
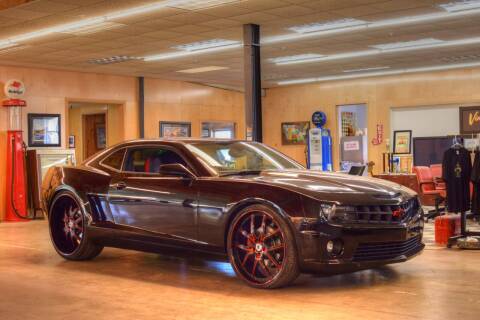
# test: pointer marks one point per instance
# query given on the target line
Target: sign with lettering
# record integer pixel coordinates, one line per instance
(14, 89)
(469, 120)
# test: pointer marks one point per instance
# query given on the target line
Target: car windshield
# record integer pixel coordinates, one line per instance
(240, 157)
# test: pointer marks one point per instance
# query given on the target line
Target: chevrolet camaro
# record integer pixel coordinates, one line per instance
(264, 212)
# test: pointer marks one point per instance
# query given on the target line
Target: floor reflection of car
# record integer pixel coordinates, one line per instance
(270, 216)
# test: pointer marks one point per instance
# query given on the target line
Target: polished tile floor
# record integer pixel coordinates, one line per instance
(35, 283)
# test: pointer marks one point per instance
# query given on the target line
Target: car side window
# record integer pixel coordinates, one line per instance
(149, 159)
(114, 160)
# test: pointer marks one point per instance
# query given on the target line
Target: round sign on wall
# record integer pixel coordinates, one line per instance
(14, 89)
(319, 119)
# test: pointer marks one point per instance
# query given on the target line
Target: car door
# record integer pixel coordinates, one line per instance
(144, 199)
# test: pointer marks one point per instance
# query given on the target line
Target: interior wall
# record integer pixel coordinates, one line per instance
(297, 103)
(181, 101)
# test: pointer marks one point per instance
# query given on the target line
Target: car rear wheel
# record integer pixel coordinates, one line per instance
(68, 229)
(261, 248)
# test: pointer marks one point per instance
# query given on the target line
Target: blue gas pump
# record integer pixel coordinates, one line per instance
(319, 147)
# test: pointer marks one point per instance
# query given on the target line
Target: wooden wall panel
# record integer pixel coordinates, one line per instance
(297, 103)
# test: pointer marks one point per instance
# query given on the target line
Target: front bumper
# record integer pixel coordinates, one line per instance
(363, 246)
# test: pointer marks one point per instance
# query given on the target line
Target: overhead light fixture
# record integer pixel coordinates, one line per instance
(93, 28)
(201, 4)
(365, 69)
(389, 48)
(407, 44)
(379, 73)
(203, 69)
(113, 59)
(302, 57)
(329, 25)
(208, 44)
(460, 6)
(182, 54)
(7, 44)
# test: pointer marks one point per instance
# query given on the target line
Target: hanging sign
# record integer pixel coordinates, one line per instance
(14, 89)
(469, 120)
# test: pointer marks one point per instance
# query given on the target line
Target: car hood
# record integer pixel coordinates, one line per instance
(329, 186)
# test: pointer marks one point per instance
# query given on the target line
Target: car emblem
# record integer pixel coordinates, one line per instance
(398, 213)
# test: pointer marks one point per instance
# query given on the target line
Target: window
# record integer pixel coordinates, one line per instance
(114, 160)
(149, 159)
(228, 157)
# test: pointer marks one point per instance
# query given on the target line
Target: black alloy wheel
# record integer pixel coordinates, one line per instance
(68, 229)
(261, 248)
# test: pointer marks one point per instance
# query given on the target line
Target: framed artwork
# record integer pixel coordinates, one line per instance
(100, 136)
(175, 129)
(44, 130)
(469, 120)
(294, 133)
(71, 141)
(402, 142)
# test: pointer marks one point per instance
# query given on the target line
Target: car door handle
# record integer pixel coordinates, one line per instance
(120, 185)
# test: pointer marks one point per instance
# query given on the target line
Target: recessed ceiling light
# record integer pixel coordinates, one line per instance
(380, 73)
(407, 44)
(208, 44)
(203, 69)
(365, 69)
(460, 5)
(329, 25)
(88, 29)
(113, 59)
(200, 4)
(303, 57)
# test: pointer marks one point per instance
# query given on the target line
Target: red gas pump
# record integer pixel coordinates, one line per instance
(16, 179)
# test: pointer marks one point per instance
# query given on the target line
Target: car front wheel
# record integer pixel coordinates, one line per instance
(261, 248)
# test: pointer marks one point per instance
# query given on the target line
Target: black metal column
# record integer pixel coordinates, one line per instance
(141, 106)
(253, 87)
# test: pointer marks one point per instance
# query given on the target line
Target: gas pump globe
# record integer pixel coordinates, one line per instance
(16, 178)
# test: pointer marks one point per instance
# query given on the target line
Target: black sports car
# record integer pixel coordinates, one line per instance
(270, 216)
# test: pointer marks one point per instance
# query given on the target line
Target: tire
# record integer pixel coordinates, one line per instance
(264, 255)
(68, 230)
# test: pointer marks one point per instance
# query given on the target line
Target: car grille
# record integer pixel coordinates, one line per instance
(386, 250)
(386, 213)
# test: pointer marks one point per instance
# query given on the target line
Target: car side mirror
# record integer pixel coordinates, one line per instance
(175, 170)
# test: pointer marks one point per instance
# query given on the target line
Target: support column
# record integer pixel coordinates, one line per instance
(253, 87)
(141, 107)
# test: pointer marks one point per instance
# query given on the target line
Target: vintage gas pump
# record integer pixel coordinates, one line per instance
(16, 178)
(319, 144)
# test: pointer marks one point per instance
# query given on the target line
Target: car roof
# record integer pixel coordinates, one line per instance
(179, 140)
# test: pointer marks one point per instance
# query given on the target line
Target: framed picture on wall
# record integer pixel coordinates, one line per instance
(295, 132)
(469, 120)
(402, 142)
(100, 136)
(175, 129)
(44, 130)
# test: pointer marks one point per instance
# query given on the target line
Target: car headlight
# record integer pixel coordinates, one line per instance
(335, 213)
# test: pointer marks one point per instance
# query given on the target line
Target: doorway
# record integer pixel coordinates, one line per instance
(94, 134)
(93, 127)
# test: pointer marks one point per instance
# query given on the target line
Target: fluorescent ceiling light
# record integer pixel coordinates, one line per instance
(407, 44)
(330, 25)
(365, 69)
(202, 45)
(421, 44)
(113, 59)
(379, 73)
(7, 44)
(103, 26)
(203, 69)
(302, 57)
(200, 4)
(460, 6)
(182, 54)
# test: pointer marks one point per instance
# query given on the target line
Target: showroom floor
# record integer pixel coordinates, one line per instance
(35, 283)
